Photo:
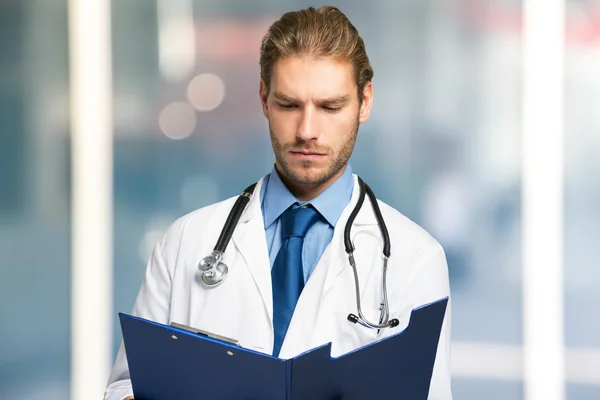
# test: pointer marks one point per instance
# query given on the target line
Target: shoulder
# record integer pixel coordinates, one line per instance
(201, 218)
(203, 221)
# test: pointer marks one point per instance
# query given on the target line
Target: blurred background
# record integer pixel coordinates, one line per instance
(443, 146)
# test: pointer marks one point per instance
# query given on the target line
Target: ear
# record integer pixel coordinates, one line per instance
(367, 103)
(264, 94)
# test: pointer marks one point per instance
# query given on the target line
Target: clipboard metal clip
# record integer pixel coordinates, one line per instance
(205, 333)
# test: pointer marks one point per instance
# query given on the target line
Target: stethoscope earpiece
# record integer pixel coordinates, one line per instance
(391, 323)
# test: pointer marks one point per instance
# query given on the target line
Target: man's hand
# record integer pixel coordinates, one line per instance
(129, 398)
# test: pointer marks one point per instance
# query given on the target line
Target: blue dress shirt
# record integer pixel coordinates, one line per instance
(275, 198)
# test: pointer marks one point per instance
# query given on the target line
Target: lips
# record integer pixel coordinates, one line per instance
(307, 155)
(308, 152)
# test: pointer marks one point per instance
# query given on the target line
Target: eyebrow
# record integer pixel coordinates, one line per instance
(339, 99)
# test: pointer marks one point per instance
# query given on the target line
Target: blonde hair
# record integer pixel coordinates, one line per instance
(323, 32)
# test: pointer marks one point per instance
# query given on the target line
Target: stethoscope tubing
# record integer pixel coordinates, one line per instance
(233, 218)
(209, 272)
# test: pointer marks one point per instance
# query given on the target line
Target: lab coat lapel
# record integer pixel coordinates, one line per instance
(250, 240)
(365, 219)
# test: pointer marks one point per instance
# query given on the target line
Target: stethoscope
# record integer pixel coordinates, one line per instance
(214, 271)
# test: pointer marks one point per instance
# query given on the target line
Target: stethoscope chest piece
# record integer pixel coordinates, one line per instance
(213, 270)
(216, 276)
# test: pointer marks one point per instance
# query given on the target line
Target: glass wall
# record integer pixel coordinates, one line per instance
(582, 199)
(34, 201)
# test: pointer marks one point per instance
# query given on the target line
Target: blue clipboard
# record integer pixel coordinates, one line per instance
(166, 362)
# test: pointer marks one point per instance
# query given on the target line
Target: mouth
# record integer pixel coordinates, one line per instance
(307, 155)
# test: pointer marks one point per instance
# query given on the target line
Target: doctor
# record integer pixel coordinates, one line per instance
(290, 287)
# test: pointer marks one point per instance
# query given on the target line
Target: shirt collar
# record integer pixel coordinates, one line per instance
(330, 204)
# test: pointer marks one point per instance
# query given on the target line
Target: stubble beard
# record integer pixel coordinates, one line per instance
(303, 175)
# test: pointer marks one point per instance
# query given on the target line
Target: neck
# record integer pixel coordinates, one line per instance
(306, 191)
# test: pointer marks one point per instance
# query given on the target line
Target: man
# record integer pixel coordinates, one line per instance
(315, 91)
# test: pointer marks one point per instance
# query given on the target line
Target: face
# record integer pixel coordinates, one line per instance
(314, 114)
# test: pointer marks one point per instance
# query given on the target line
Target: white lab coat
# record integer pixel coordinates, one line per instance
(241, 307)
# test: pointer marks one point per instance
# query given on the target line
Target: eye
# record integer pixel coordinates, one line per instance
(287, 106)
(331, 109)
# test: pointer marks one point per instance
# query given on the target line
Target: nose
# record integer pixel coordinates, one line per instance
(308, 127)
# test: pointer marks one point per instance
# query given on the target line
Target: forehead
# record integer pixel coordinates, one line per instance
(309, 77)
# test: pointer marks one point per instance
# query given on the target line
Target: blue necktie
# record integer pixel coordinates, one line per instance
(287, 273)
